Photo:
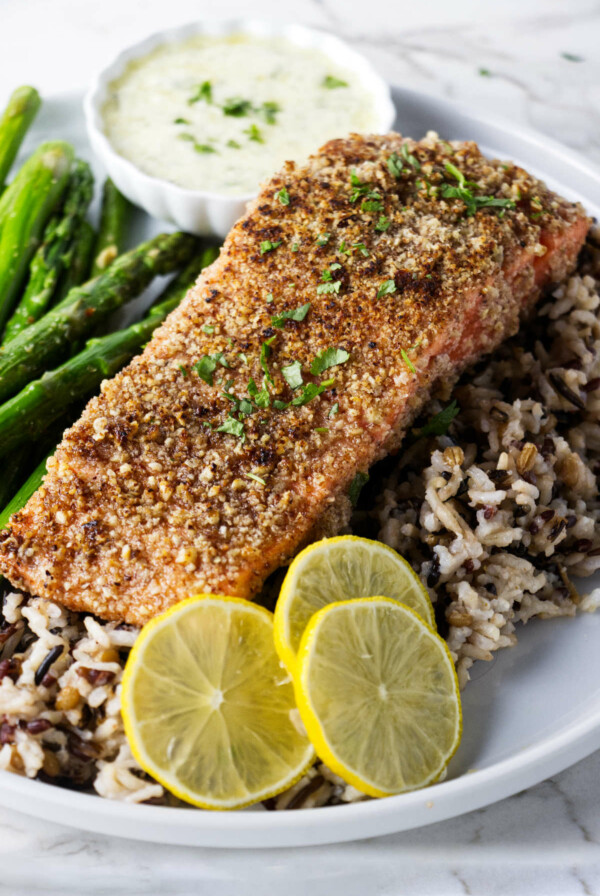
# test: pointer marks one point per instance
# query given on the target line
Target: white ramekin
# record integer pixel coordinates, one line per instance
(201, 211)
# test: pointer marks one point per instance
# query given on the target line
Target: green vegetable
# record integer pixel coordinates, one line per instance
(297, 314)
(330, 82)
(408, 157)
(25, 207)
(48, 262)
(438, 425)
(20, 111)
(283, 196)
(25, 490)
(394, 164)
(268, 246)
(331, 357)
(292, 374)
(237, 107)
(329, 287)
(43, 401)
(49, 339)
(203, 92)
(265, 351)
(11, 482)
(387, 288)
(464, 192)
(356, 486)
(383, 224)
(310, 391)
(233, 427)
(78, 261)
(114, 218)
(254, 133)
(256, 478)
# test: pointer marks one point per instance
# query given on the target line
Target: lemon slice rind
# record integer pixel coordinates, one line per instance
(328, 752)
(139, 731)
(311, 583)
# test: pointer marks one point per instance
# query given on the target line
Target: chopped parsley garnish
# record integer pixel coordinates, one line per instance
(183, 369)
(208, 328)
(371, 205)
(269, 298)
(204, 147)
(297, 314)
(295, 247)
(234, 144)
(463, 192)
(283, 196)
(233, 427)
(280, 405)
(243, 357)
(207, 365)
(256, 478)
(237, 107)
(330, 357)
(269, 110)
(485, 73)
(181, 121)
(265, 351)
(260, 397)
(383, 224)
(407, 360)
(254, 133)
(356, 486)
(387, 288)
(572, 57)
(360, 247)
(245, 407)
(323, 239)
(331, 82)
(203, 92)
(361, 189)
(438, 425)
(292, 374)
(310, 391)
(408, 157)
(395, 165)
(268, 246)
(321, 429)
(335, 266)
(334, 410)
(334, 286)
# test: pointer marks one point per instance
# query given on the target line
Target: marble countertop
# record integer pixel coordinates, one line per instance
(535, 62)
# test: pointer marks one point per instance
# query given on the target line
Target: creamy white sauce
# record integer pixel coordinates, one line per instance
(201, 152)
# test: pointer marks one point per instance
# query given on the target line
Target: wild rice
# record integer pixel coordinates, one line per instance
(497, 516)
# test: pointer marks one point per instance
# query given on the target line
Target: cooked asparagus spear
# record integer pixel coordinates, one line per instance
(30, 412)
(48, 262)
(25, 207)
(47, 341)
(114, 215)
(20, 111)
(21, 496)
(79, 260)
(13, 476)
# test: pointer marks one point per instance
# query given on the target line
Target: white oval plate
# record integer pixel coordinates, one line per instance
(531, 713)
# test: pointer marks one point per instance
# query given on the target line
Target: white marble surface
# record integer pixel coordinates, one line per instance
(542, 842)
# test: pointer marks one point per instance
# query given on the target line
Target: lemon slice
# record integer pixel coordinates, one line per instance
(378, 695)
(208, 708)
(339, 569)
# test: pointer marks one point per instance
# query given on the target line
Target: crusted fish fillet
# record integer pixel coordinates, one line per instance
(230, 442)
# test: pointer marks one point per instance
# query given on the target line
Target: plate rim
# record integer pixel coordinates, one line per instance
(332, 824)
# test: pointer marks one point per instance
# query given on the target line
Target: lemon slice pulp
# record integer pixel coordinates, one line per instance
(378, 695)
(338, 569)
(208, 708)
